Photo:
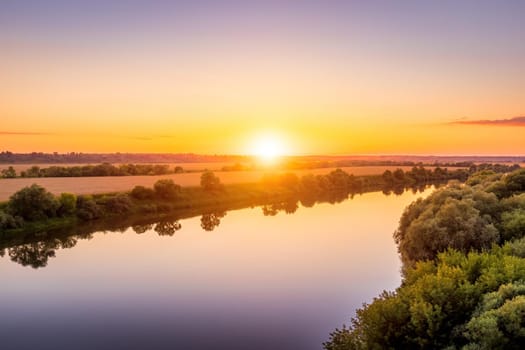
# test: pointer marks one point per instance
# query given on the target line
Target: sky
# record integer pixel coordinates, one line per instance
(216, 77)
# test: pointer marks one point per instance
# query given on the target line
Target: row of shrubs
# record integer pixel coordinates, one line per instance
(104, 169)
(35, 203)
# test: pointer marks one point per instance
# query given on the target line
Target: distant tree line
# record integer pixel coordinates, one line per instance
(7, 157)
(104, 169)
(463, 253)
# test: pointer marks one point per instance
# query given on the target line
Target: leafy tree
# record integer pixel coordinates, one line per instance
(67, 204)
(454, 217)
(166, 189)
(141, 192)
(7, 221)
(513, 224)
(499, 321)
(515, 182)
(388, 177)
(309, 185)
(33, 203)
(398, 175)
(8, 173)
(87, 208)
(178, 169)
(290, 181)
(210, 182)
(119, 204)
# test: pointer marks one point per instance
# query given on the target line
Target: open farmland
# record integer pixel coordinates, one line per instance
(90, 185)
(186, 166)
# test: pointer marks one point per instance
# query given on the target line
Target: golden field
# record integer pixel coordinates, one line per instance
(91, 185)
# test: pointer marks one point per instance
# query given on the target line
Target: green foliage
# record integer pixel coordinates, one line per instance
(8, 173)
(104, 169)
(454, 217)
(309, 184)
(513, 224)
(210, 182)
(67, 204)
(167, 228)
(499, 321)
(515, 182)
(443, 304)
(211, 220)
(33, 203)
(471, 297)
(141, 192)
(7, 221)
(166, 189)
(119, 204)
(87, 208)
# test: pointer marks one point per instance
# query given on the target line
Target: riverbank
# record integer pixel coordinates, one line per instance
(34, 209)
(109, 184)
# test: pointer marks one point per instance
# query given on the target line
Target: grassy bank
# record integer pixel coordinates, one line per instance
(33, 209)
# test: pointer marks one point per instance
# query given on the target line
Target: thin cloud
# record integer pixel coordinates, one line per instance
(516, 121)
(24, 133)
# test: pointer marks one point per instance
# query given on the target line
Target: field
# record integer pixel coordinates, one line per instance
(90, 185)
(186, 166)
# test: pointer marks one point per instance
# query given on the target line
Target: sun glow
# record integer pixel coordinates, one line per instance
(268, 147)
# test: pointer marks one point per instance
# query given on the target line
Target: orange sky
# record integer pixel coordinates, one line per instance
(326, 80)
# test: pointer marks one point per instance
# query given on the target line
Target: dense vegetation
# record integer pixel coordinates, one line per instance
(104, 169)
(34, 206)
(33, 211)
(463, 250)
(7, 157)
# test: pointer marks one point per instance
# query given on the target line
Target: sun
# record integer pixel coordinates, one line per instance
(268, 147)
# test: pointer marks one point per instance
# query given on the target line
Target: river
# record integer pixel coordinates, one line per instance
(244, 281)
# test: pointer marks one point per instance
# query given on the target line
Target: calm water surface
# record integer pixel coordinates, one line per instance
(254, 282)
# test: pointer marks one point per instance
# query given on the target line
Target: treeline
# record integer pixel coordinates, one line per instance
(294, 164)
(7, 157)
(36, 204)
(104, 169)
(463, 253)
(160, 207)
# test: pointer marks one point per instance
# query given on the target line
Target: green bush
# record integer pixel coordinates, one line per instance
(67, 204)
(33, 203)
(513, 224)
(87, 208)
(7, 221)
(166, 189)
(141, 192)
(119, 204)
(210, 182)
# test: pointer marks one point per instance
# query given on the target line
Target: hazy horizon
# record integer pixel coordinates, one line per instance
(219, 76)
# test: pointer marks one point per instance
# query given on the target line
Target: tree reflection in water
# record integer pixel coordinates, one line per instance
(139, 229)
(289, 206)
(36, 250)
(37, 254)
(167, 227)
(211, 220)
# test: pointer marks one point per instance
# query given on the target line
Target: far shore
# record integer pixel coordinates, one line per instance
(106, 184)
